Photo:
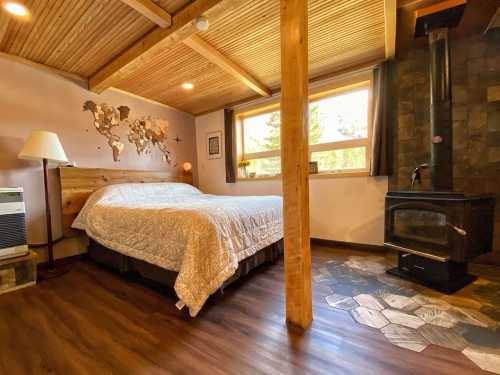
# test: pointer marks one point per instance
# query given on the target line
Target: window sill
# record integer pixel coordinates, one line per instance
(259, 178)
(339, 174)
(311, 176)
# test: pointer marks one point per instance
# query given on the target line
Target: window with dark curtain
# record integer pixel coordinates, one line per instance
(381, 164)
(229, 139)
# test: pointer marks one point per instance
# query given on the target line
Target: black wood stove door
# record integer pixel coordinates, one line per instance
(423, 226)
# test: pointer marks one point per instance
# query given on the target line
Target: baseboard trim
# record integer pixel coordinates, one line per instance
(36, 245)
(66, 260)
(349, 245)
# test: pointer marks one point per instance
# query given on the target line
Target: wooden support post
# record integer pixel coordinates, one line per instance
(295, 161)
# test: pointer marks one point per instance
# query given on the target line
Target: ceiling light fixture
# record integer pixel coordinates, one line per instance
(187, 86)
(15, 9)
(202, 24)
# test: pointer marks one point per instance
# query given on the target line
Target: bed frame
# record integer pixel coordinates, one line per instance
(77, 184)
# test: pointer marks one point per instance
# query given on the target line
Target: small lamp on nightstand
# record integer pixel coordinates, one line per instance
(187, 167)
(46, 147)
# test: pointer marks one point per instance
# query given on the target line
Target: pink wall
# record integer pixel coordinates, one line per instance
(31, 99)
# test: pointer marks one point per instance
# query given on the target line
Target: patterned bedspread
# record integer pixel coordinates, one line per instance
(175, 226)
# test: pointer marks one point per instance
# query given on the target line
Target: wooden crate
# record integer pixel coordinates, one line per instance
(17, 273)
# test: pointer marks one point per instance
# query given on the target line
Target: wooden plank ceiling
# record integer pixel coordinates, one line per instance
(341, 33)
(77, 36)
(82, 36)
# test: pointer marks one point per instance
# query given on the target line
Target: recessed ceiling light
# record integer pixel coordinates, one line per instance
(187, 86)
(16, 9)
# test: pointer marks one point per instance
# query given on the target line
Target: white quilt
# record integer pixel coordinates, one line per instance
(175, 226)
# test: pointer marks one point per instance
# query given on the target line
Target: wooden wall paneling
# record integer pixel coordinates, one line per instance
(77, 184)
(151, 11)
(295, 161)
(390, 11)
(212, 54)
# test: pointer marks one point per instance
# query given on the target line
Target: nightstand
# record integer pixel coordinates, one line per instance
(17, 273)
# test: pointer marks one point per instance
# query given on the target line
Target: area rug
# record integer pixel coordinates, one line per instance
(413, 317)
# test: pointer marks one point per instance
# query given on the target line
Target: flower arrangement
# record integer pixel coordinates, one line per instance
(244, 163)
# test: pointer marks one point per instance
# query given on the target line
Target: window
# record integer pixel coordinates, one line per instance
(339, 133)
(261, 143)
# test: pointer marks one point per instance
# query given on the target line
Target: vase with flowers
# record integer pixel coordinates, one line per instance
(242, 165)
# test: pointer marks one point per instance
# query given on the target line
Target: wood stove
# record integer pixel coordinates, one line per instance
(437, 233)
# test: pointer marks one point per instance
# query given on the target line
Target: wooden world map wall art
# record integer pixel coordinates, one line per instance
(144, 133)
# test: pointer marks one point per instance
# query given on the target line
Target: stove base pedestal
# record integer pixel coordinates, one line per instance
(446, 277)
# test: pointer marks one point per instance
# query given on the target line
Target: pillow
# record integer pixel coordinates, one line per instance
(158, 191)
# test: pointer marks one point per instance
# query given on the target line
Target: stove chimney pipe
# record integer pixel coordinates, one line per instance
(434, 21)
(440, 112)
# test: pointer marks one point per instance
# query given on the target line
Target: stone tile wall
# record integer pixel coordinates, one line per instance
(475, 66)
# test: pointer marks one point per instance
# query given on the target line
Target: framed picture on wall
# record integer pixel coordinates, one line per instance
(214, 145)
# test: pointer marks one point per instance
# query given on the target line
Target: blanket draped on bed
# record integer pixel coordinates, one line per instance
(175, 226)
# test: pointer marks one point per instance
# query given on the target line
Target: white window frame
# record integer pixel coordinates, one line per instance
(364, 80)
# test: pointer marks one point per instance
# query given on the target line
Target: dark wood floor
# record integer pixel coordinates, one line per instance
(92, 321)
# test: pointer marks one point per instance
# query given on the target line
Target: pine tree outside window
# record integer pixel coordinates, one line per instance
(339, 133)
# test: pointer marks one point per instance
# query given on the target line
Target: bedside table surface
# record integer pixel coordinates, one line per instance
(28, 257)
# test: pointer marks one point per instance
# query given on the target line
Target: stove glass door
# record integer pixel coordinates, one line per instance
(421, 225)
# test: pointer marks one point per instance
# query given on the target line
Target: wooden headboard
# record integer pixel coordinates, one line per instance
(77, 184)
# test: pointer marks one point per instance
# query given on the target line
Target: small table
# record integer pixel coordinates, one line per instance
(17, 273)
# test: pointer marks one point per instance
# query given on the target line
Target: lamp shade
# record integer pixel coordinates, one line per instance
(43, 145)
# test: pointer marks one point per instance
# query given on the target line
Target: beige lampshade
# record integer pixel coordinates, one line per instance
(43, 145)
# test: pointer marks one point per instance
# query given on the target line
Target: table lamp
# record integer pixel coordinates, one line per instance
(46, 147)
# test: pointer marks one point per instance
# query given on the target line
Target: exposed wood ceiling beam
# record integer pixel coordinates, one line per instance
(336, 73)
(151, 11)
(390, 9)
(410, 3)
(158, 40)
(215, 56)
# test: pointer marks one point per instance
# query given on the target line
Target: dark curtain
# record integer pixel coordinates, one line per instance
(381, 165)
(229, 142)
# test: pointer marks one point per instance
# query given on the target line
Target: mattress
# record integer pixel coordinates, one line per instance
(175, 226)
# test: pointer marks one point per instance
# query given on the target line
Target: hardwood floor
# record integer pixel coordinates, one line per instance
(93, 321)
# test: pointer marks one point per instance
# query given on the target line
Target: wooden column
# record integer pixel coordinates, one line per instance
(295, 161)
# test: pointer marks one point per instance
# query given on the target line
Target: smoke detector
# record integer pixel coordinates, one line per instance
(202, 24)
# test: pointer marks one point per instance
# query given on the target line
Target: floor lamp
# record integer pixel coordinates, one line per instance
(45, 146)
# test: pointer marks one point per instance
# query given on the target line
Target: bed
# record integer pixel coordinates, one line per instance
(173, 233)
